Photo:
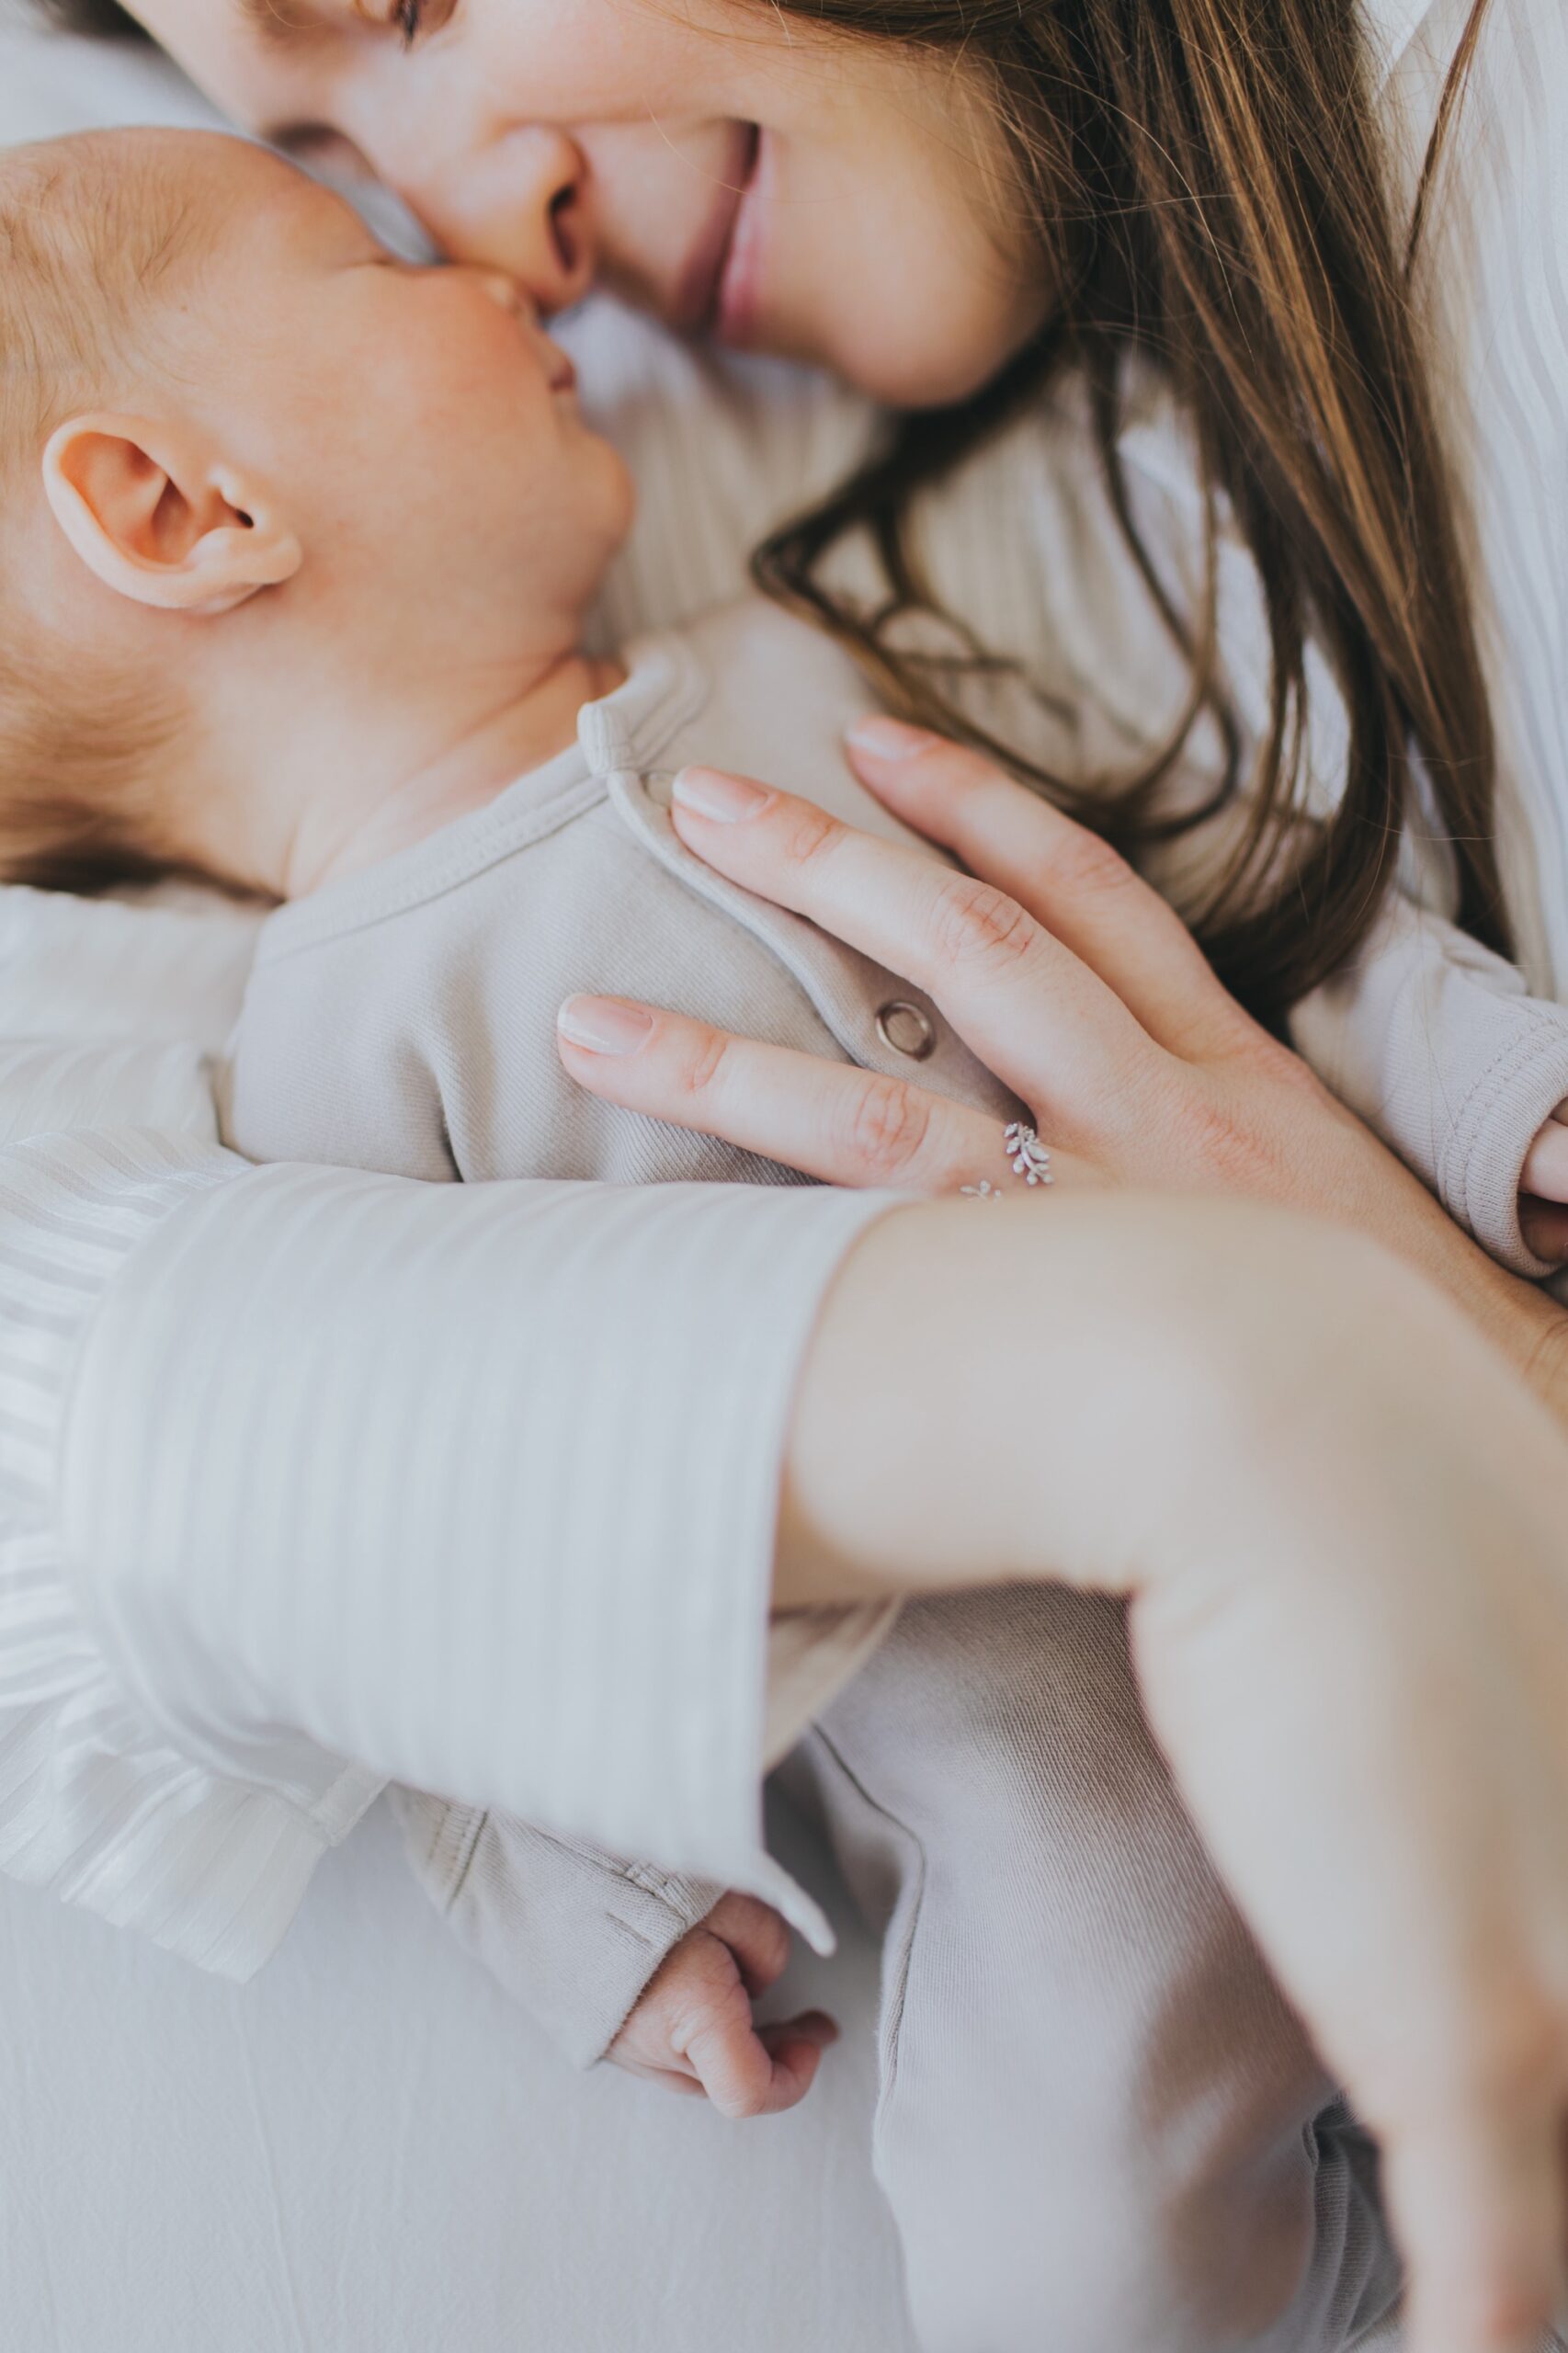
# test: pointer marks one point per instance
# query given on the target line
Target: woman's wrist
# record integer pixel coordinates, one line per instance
(1523, 1322)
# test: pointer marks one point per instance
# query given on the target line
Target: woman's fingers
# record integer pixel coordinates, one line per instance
(831, 1121)
(1544, 1225)
(1066, 876)
(1546, 1164)
(1543, 1192)
(1036, 1015)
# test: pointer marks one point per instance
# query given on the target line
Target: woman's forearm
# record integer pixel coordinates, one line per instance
(998, 1392)
(1337, 1514)
(994, 1394)
(983, 1381)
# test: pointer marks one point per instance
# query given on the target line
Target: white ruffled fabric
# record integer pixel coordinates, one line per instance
(122, 1003)
(93, 1802)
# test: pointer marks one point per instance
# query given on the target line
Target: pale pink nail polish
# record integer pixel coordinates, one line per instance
(726, 798)
(891, 739)
(604, 1024)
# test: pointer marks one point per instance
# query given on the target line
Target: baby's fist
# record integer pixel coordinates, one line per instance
(693, 2029)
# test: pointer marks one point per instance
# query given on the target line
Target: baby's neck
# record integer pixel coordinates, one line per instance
(362, 821)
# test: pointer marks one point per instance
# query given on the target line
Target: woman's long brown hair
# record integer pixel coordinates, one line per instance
(1209, 189)
(1206, 186)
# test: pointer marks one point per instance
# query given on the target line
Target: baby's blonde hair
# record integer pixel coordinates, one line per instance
(90, 226)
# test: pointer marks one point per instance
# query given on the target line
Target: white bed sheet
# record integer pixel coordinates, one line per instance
(368, 2150)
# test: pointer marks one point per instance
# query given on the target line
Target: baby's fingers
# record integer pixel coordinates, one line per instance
(795, 2047)
(755, 1934)
(747, 2072)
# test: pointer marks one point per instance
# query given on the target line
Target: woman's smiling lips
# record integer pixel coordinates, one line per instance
(738, 293)
(701, 301)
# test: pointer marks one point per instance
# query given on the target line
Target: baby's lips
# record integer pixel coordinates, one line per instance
(559, 366)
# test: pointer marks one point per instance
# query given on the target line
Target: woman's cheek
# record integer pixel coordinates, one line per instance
(918, 309)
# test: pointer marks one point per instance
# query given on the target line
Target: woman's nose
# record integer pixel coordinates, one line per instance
(520, 205)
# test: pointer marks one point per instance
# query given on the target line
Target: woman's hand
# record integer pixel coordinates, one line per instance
(1064, 973)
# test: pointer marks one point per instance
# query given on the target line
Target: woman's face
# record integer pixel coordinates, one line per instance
(732, 170)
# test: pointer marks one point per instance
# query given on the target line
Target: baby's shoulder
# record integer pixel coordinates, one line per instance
(780, 695)
(773, 699)
(766, 666)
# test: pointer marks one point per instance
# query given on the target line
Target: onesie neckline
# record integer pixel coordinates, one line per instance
(665, 686)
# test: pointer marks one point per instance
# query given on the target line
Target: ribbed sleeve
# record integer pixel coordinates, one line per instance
(571, 1933)
(473, 1486)
(95, 1800)
(1434, 1041)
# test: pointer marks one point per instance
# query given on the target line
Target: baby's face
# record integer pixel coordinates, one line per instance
(421, 432)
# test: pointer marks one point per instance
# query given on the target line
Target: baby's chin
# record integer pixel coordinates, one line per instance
(615, 510)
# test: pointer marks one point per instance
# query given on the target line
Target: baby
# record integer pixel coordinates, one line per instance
(297, 544)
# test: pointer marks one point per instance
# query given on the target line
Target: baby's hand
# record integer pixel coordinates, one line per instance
(1544, 1189)
(693, 2027)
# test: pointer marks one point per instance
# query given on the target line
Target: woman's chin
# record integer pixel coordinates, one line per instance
(898, 369)
(913, 377)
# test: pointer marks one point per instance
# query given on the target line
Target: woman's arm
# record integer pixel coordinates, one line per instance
(1339, 1521)
(1352, 1637)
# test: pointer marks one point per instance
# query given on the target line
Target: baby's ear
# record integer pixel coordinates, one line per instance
(157, 515)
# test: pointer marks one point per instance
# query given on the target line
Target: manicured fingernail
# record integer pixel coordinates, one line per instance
(604, 1024)
(727, 799)
(890, 739)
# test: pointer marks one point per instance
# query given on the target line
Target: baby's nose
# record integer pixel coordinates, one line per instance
(506, 293)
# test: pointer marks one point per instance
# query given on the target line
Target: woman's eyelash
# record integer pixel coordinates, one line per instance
(415, 20)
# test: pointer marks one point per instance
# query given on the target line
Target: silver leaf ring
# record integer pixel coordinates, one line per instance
(1026, 1157)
